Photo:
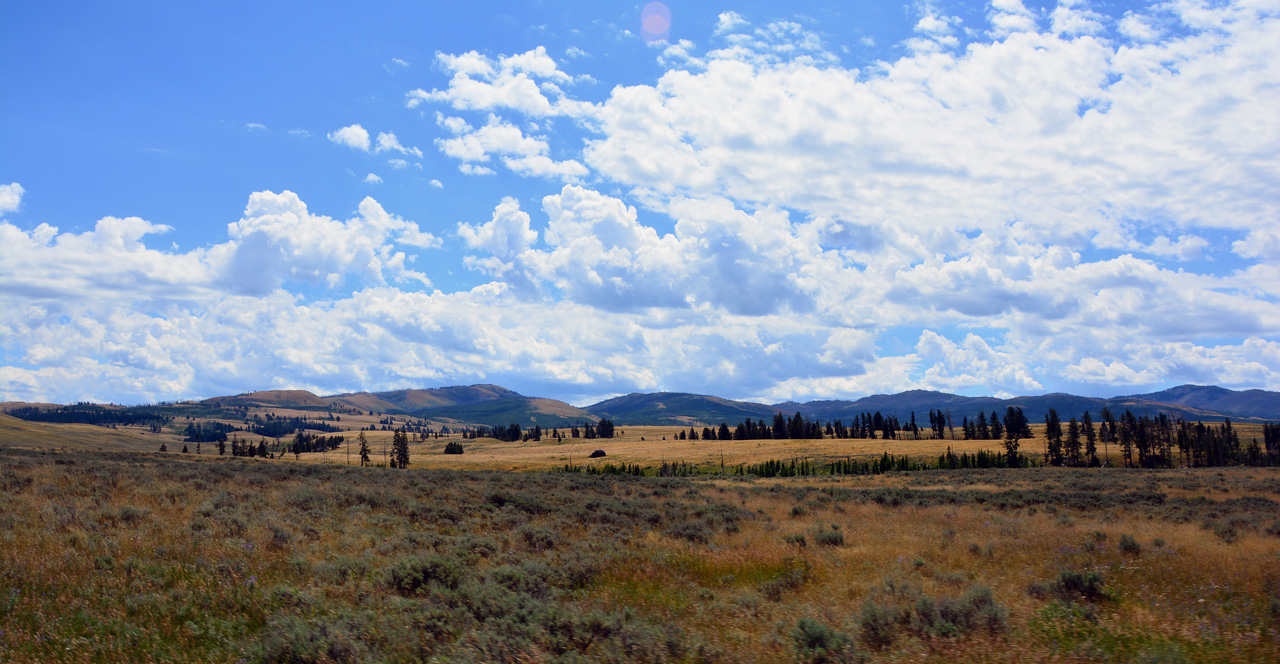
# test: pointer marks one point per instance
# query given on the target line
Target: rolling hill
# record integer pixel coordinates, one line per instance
(494, 405)
(678, 408)
(1245, 403)
(468, 404)
(1188, 402)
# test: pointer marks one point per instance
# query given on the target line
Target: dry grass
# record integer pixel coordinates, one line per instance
(146, 557)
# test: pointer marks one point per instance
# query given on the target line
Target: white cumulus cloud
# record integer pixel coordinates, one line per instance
(353, 136)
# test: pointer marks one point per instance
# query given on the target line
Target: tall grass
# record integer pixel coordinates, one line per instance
(145, 558)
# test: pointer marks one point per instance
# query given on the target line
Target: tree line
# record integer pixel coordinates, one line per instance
(513, 432)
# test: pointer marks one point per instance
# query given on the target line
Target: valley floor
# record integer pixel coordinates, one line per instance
(123, 556)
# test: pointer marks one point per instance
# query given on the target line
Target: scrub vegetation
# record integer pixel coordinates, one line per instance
(148, 557)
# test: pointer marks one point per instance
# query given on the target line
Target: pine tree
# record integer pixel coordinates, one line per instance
(364, 449)
(1012, 432)
(1090, 439)
(1073, 442)
(400, 447)
(1107, 431)
(997, 432)
(1053, 437)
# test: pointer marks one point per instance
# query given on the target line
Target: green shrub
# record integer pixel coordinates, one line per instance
(792, 578)
(878, 623)
(453, 447)
(537, 537)
(413, 574)
(695, 531)
(281, 538)
(293, 640)
(948, 617)
(818, 643)
(1129, 545)
(797, 538)
(1072, 586)
(951, 617)
(828, 538)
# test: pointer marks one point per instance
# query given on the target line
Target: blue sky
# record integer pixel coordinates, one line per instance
(985, 198)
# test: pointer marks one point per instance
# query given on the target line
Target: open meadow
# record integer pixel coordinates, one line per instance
(117, 554)
(646, 446)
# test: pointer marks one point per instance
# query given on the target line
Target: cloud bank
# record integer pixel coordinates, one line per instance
(1049, 201)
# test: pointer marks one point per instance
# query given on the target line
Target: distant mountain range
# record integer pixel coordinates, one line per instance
(492, 405)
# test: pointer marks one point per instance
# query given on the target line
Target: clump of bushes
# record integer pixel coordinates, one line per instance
(948, 617)
(828, 537)
(793, 577)
(1071, 586)
(817, 643)
(411, 575)
(453, 447)
(1129, 545)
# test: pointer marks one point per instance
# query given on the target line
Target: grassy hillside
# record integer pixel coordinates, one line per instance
(43, 435)
(664, 408)
(522, 410)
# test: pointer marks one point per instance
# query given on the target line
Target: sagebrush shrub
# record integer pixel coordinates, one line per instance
(413, 574)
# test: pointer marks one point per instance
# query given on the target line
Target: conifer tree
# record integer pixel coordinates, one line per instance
(400, 448)
(1073, 442)
(1090, 439)
(364, 449)
(1012, 432)
(1053, 437)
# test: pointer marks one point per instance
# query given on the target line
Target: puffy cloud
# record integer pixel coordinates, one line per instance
(353, 136)
(279, 238)
(1056, 131)
(276, 240)
(373, 178)
(729, 21)
(973, 362)
(507, 82)
(506, 235)
(387, 142)
(522, 154)
(10, 197)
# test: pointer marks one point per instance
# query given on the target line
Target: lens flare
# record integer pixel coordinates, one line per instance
(655, 22)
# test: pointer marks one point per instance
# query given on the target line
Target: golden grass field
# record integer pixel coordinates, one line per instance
(643, 445)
